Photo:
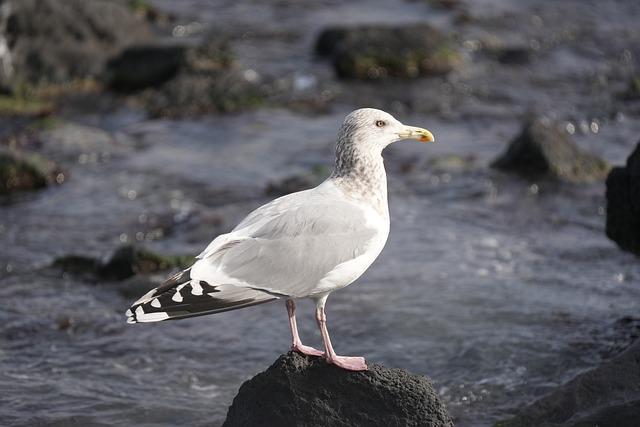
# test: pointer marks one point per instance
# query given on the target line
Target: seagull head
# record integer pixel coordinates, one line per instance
(378, 129)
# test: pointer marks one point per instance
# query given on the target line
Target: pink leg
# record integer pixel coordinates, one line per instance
(296, 344)
(345, 362)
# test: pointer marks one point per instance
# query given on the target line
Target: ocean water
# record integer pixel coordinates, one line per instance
(497, 288)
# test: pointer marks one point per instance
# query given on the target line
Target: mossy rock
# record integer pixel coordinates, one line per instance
(57, 41)
(17, 105)
(139, 6)
(20, 171)
(77, 264)
(183, 81)
(633, 89)
(142, 66)
(194, 94)
(544, 149)
(379, 52)
(131, 260)
(125, 263)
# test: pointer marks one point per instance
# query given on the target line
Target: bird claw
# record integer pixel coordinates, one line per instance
(305, 349)
(348, 363)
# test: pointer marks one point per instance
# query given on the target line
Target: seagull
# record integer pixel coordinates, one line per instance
(302, 245)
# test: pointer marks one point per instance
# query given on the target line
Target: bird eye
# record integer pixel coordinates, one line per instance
(381, 123)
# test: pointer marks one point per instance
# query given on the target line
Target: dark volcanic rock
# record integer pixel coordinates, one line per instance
(607, 396)
(20, 171)
(126, 262)
(301, 391)
(139, 67)
(143, 66)
(376, 52)
(623, 204)
(194, 94)
(77, 264)
(543, 148)
(60, 40)
(131, 260)
(186, 80)
(514, 55)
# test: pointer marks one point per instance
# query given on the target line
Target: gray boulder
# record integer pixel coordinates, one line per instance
(139, 67)
(376, 52)
(607, 396)
(185, 80)
(545, 149)
(302, 391)
(130, 260)
(151, 65)
(55, 41)
(623, 204)
(192, 94)
(127, 261)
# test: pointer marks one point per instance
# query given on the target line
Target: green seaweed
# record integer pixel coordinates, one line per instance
(23, 172)
(132, 260)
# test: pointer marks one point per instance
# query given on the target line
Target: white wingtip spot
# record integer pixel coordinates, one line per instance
(153, 317)
(196, 289)
(128, 313)
(155, 303)
(141, 316)
(177, 297)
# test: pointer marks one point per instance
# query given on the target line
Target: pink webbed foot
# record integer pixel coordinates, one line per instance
(348, 363)
(305, 349)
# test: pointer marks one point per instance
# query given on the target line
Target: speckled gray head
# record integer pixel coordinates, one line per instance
(359, 168)
(376, 129)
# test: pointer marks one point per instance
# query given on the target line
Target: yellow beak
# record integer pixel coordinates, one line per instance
(411, 132)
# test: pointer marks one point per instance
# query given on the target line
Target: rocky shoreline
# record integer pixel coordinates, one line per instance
(90, 96)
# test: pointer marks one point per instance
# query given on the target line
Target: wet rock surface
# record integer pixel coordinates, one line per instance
(127, 261)
(142, 66)
(623, 204)
(185, 80)
(192, 94)
(131, 260)
(139, 67)
(378, 52)
(21, 171)
(544, 149)
(299, 390)
(513, 55)
(607, 396)
(55, 41)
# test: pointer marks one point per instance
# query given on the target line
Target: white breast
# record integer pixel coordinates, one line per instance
(346, 273)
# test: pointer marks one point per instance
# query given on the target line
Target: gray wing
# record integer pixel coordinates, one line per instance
(287, 247)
